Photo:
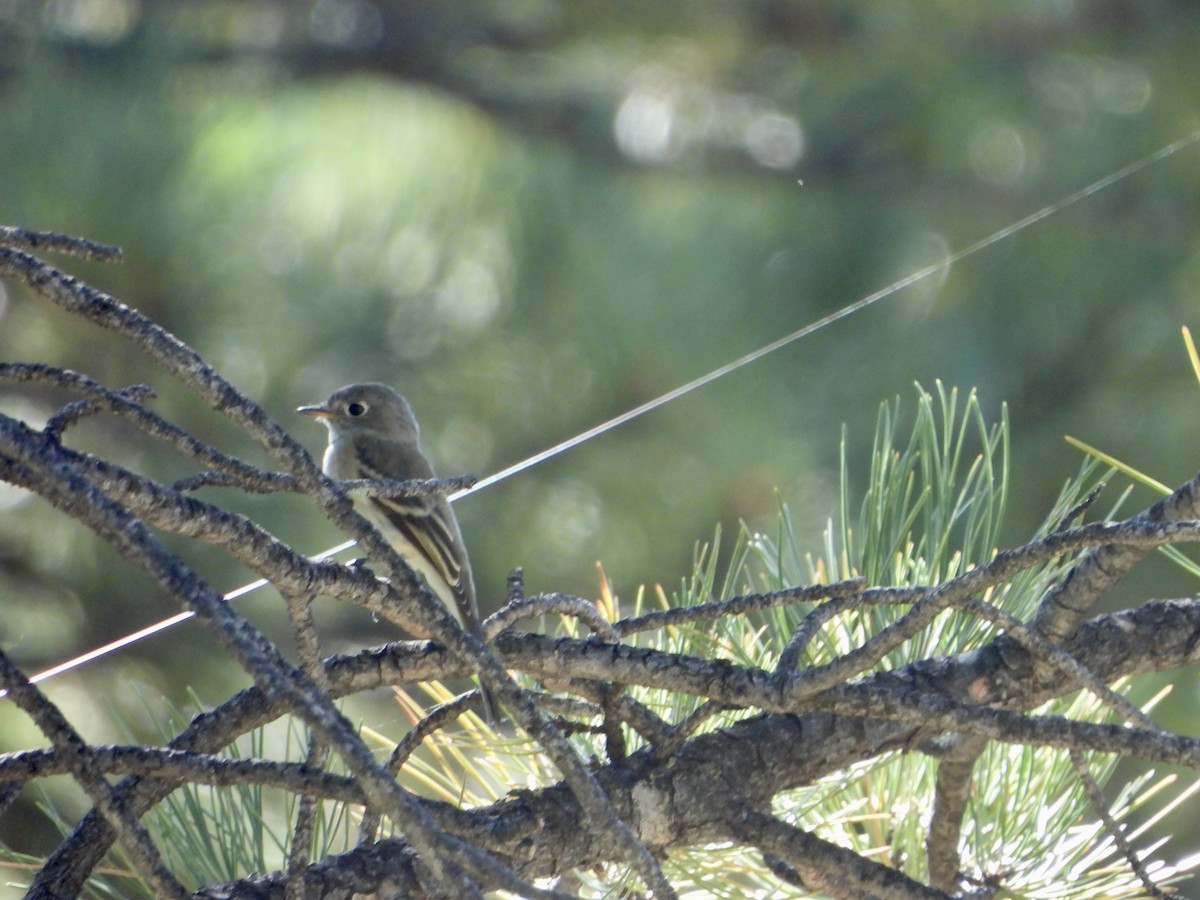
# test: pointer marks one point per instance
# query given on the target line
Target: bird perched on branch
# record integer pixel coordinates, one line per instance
(374, 434)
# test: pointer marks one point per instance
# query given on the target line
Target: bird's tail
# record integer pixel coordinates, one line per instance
(488, 708)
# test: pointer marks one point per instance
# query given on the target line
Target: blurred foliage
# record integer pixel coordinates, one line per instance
(530, 215)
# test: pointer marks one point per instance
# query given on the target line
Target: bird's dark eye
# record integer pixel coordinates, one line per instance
(356, 409)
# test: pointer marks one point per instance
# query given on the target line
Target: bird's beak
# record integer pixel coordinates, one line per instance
(317, 412)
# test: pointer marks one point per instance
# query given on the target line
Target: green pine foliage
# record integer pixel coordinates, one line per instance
(932, 508)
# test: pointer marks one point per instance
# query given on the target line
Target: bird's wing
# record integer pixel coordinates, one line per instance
(427, 522)
(428, 530)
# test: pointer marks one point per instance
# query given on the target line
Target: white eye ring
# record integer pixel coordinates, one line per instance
(354, 409)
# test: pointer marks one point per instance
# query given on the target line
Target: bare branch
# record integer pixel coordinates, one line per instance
(80, 409)
(1064, 662)
(736, 606)
(549, 604)
(1063, 608)
(821, 615)
(1111, 825)
(1137, 533)
(184, 766)
(951, 794)
(70, 745)
(438, 718)
(80, 248)
(825, 865)
(129, 406)
(713, 758)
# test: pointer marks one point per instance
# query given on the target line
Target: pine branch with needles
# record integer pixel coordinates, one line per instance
(912, 712)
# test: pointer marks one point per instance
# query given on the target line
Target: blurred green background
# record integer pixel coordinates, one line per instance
(531, 215)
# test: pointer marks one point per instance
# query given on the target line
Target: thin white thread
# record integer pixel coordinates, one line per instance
(163, 625)
(719, 372)
(828, 320)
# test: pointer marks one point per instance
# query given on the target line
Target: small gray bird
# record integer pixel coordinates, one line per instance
(373, 434)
